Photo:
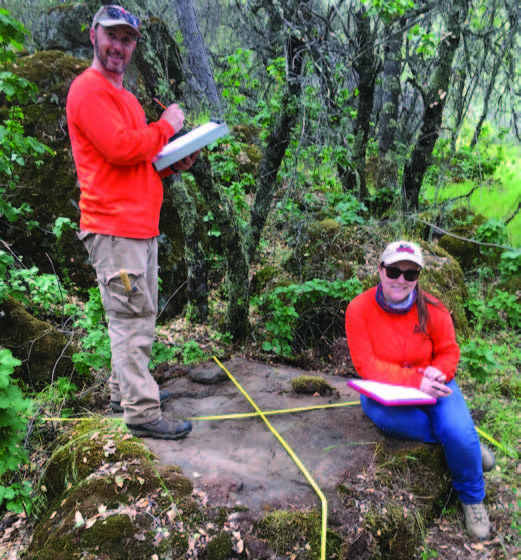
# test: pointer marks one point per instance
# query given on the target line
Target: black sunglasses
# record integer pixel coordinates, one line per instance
(393, 273)
(115, 12)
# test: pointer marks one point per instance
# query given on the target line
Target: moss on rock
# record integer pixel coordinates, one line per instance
(311, 384)
(83, 448)
(396, 533)
(109, 499)
(443, 278)
(39, 346)
(219, 548)
(286, 532)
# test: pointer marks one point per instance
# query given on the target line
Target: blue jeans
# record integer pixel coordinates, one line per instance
(448, 423)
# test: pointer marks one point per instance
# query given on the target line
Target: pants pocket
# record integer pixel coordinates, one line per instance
(116, 299)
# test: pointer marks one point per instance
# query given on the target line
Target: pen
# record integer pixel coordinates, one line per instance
(159, 103)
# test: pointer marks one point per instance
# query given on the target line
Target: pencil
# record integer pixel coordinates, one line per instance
(159, 103)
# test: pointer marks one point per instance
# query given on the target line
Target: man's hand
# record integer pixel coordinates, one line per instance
(185, 163)
(174, 116)
(434, 388)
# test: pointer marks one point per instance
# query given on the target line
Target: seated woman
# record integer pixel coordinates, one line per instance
(401, 335)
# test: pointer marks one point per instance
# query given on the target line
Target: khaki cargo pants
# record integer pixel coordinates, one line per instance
(131, 319)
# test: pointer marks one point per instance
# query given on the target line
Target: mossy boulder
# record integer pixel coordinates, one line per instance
(443, 278)
(65, 27)
(331, 250)
(84, 447)
(106, 497)
(467, 254)
(45, 352)
(463, 224)
(48, 183)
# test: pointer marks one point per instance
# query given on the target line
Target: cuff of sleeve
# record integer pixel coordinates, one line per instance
(166, 127)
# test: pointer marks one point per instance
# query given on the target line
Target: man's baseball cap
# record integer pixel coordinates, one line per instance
(110, 16)
(402, 251)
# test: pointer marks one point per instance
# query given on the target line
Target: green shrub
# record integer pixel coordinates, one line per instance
(510, 264)
(283, 302)
(96, 351)
(494, 232)
(14, 409)
(477, 356)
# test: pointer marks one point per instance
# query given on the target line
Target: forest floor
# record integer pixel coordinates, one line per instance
(238, 461)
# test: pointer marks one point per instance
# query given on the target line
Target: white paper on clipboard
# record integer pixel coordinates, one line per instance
(391, 395)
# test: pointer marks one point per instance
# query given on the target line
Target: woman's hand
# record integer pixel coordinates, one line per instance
(434, 373)
(434, 387)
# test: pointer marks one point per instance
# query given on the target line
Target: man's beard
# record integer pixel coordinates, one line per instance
(103, 60)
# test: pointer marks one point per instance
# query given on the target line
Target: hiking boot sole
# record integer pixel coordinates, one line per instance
(138, 432)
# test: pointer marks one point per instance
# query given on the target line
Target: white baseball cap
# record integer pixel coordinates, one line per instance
(402, 251)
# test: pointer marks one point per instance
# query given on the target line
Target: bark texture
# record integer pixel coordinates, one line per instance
(434, 99)
(203, 81)
(367, 70)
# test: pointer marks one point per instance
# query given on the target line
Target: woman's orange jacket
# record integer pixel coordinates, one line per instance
(390, 347)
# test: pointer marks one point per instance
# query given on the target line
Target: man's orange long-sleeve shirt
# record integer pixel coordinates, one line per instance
(390, 348)
(113, 148)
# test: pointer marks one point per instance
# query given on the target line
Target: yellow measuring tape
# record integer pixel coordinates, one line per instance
(271, 412)
(293, 456)
(510, 452)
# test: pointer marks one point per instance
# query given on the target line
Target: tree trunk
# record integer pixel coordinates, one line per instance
(366, 67)
(197, 55)
(507, 46)
(277, 143)
(434, 99)
(387, 170)
(237, 312)
(194, 254)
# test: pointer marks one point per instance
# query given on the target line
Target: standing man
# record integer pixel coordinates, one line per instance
(121, 196)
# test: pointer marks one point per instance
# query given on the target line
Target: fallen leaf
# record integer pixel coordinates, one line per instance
(109, 448)
(78, 519)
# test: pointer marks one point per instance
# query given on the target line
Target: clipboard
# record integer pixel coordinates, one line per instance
(189, 143)
(391, 395)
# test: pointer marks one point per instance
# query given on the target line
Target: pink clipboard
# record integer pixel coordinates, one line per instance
(391, 395)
